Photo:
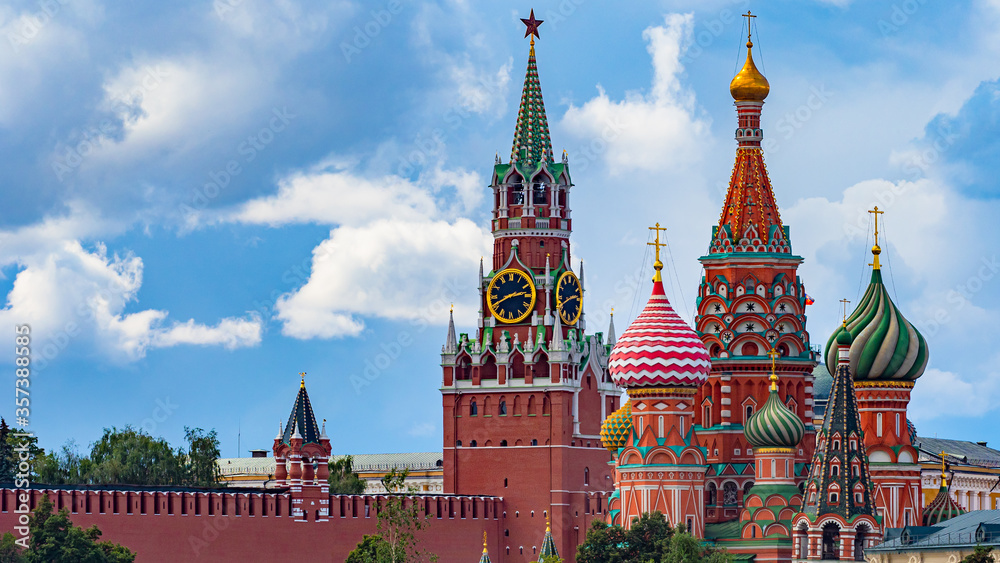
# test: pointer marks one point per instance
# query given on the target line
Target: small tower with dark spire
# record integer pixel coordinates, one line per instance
(302, 456)
(838, 519)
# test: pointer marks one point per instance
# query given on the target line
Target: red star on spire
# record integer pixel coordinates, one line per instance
(532, 25)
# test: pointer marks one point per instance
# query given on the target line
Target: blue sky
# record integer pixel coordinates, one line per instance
(202, 199)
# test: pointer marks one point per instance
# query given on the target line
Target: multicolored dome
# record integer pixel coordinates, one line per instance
(886, 346)
(616, 428)
(941, 508)
(659, 349)
(775, 425)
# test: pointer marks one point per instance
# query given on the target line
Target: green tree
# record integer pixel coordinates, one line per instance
(202, 457)
(368, 550)
(649, 539)
(398, 524)
(980, 555)
(132, 457)
(12, 449)
(7, 462)
(343, 480)
(54, 539)
(550, 559)
(9, 552)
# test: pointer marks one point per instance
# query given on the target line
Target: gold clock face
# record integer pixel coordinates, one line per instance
(569, 298)
(511, 296)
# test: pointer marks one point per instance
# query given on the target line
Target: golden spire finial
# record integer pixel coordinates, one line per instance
(846, 303)
(749, 85)
(484, 541)
(548, 527)
(302, 374)
(748, 15)
(657, 244)
(875, 249)
(452, 310)
(774, 376)
(944, 476)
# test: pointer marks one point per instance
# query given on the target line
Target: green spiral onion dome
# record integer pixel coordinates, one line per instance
(616, 428)
(886, 346)
(774, 426)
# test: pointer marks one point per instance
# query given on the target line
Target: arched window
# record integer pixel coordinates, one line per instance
(749, 413)
(503, 407)
(834, 498)
(836, 445)
(729, 493)
(878, 424)
(831, 541)
(835, 470)
(473, 408)
(711, 493)
(586, 475)
(706, 416)
(534, 441)
(503, 443)
(472, 444)
(746, 489)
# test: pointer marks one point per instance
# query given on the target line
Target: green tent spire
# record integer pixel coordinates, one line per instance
(548, 544)
(531, 136)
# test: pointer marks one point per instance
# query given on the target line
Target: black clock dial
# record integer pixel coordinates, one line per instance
(511, 296)
(569, 298)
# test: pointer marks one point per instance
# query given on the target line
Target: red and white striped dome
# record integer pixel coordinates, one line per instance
(659, 349)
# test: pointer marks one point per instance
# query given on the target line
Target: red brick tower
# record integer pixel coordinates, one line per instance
(887, 355)
(302, 456)
(523, 400)
(750, 301)
(661, 361)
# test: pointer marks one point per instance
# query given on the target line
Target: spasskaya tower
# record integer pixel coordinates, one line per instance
(524, 397)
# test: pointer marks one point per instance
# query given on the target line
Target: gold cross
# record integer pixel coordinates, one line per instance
(657, 265)
(774, 377)
(846, 303)
(748, 15)
(876, 213)
(302, 374)
(657, 242)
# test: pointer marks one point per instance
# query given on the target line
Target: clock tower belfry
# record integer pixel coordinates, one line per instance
(524, 396)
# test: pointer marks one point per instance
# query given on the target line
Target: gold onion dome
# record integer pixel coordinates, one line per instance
(884, 345)
(749, 85)
(616, 428)
(775, 425)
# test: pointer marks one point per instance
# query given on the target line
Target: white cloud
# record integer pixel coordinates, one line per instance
(402, 270)
(66, 292)
(397, 246)
(943, 393)
(658, 130)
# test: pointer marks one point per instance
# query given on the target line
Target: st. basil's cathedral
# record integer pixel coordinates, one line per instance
(721, 428)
